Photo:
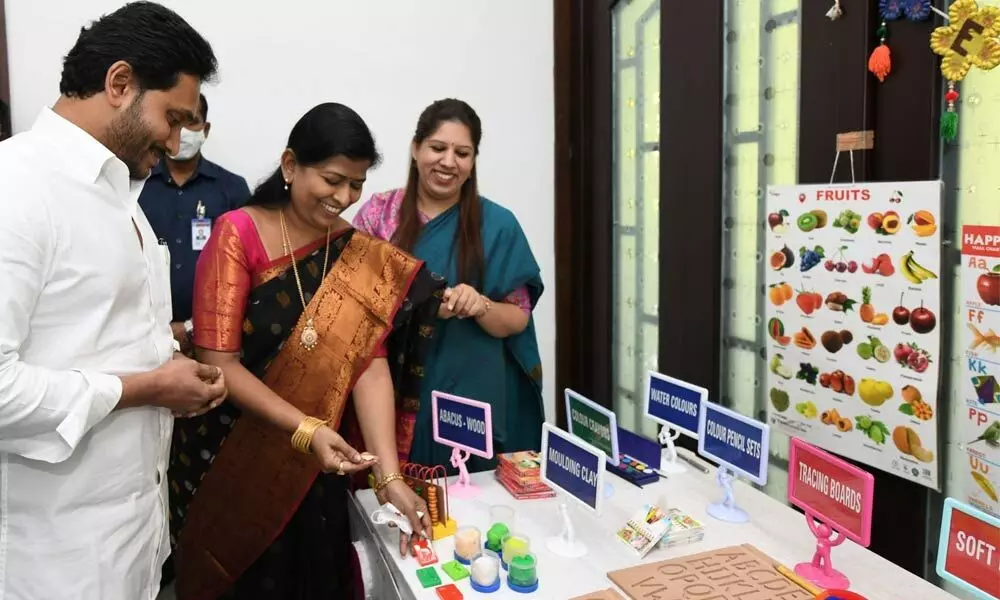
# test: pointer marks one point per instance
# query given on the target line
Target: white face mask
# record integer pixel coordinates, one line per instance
(191, 142)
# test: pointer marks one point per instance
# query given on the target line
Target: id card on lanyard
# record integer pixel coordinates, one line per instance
(201, 228)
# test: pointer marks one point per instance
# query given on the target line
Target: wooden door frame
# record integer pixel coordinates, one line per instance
(583, 209)
(5, 116)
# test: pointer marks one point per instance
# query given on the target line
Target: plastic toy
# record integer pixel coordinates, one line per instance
(727, 509)
(449, 592)
(428, 577)
(668, 458)
(424, 552)
(820, 570)
(566, 544)
(455, 570)
(839, 595)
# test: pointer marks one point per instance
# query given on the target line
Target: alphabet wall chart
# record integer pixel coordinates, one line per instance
(853, 303)
(979, 368)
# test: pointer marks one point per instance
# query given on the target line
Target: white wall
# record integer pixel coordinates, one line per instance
(387, 59)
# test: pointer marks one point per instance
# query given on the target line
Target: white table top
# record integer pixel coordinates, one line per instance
(774, 528)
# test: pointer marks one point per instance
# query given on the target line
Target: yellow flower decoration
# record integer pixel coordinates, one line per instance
(969, 39)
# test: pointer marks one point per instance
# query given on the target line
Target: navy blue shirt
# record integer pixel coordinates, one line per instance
(171, 208)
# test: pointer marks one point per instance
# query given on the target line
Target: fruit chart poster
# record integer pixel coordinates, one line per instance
(980, 309)
(853, 304)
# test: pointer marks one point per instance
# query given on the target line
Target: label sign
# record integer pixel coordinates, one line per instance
(969, 549)
(573, 466)
(592, 423)
(463, 423)
(735, 441)
(674, 403)
(837, 493)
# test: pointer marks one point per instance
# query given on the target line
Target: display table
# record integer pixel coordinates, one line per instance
(775, 529)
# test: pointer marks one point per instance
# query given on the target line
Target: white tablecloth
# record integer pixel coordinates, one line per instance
(774, 528)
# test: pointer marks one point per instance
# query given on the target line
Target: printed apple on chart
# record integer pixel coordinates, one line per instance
(988, 282)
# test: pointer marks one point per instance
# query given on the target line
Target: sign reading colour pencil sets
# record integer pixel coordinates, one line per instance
(853, 303)
(979, 371)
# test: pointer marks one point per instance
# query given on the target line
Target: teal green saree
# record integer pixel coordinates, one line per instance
(464, 359)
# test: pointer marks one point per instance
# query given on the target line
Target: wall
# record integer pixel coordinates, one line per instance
(386, 59)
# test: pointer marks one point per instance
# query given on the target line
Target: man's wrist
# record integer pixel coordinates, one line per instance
(138, 389)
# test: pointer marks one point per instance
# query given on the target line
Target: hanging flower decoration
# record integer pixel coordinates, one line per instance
(969, 39)
(880, 61)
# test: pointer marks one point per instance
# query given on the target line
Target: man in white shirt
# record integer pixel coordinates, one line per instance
(88, 378)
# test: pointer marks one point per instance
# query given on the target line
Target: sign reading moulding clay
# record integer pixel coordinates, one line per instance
(837, 499)
(466, 426)
(676, 405)
(740, 445)
(575, 468)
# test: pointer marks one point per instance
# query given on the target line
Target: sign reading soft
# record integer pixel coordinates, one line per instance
(969, 549)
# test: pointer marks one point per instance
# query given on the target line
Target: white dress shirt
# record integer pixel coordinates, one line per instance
(82, 489)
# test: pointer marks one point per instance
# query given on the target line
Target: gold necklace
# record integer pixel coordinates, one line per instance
(309, 337)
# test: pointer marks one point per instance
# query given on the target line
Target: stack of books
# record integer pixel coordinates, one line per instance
(645, 529)
(520, 474)
(684, 529)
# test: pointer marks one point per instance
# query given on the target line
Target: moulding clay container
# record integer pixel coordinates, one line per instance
(522, 574)
(516, 545)
(484, 574)
(496, 536)
(502, 514)
(468, 544)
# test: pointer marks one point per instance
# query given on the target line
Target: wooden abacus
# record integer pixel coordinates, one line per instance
(431, 484)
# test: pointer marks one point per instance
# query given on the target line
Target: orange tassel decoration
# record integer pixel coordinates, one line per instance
(879, 63)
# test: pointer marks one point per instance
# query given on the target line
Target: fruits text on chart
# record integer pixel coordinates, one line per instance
(840, 195)
(676, 403)
(600, 429)
(833, 489)
(457, 420)
(733, 438)
(568, 464)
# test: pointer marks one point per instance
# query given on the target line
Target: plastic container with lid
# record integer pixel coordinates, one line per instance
(522, 574)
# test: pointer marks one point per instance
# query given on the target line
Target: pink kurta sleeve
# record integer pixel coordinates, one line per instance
(520, 298)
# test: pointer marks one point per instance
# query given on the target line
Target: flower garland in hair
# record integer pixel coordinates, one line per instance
(880, 61)
(971, 38)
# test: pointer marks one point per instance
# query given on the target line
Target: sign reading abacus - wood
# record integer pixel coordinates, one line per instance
(462, 423)
(734, 573)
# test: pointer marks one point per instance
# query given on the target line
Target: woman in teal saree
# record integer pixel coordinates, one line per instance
(485, 346)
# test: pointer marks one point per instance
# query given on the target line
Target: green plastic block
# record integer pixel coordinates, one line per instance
(455, 570)
(428, 577)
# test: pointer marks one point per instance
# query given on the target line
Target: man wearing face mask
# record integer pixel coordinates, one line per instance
(182, 197)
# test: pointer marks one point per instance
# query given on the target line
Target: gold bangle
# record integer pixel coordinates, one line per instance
(302, 438)
(381, 484)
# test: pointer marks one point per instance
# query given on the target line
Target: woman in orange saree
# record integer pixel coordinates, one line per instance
(313, 323)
